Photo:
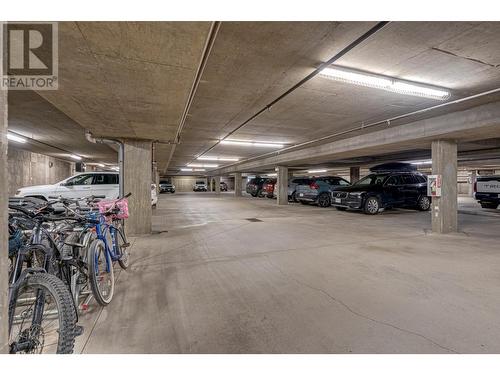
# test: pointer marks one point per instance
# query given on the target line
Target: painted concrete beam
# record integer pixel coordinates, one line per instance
(479, 122)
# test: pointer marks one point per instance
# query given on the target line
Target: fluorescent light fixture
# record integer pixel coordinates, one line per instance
(194, 165)
(383, 83)
(422, 162)
(193, 170)
(15, 138)
(317, 171)
(115, 168)
(101, 165)
(215, 158)
(271, 174)
(76, 157)
(252, 143)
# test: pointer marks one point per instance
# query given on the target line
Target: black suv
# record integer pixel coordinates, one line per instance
(254, 186)
(384, 189)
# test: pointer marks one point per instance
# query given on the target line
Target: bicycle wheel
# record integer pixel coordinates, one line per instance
(122, 246)
(101, 275)
(42, 318)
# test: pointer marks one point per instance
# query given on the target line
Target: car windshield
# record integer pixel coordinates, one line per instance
(372, 179)
(83, 179)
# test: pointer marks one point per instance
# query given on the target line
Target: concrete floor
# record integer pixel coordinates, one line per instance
(302, 280)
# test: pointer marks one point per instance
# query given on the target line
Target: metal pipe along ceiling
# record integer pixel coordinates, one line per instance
(199, 72)
(365, 126)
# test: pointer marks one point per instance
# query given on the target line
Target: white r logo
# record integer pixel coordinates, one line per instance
(16, 55)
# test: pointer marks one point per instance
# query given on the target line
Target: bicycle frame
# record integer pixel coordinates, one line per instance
(18, 276)
(113, 253)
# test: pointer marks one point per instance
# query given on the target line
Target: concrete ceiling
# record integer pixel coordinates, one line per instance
(132, 80)
(127, 79)
(460, 56)
(51, 132)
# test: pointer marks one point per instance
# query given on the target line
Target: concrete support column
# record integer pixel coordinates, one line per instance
(444, 208)
(282, 185)
(238, 184)
(155, 175)
(354, 171)
(217, 184)
(473, 178)
(4, 233)
(137, 180)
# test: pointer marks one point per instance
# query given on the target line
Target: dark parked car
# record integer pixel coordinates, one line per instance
(166, 187)
(318, 190)
(254, 186)
(223, 186)
(384, 189)
(268, 188)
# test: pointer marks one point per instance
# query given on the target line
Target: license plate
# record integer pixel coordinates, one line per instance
(338, 200)
(301, 194)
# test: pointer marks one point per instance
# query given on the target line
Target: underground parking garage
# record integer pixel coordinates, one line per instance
(256, 187)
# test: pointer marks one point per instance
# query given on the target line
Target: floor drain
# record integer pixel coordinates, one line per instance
(159, 231)
(254, 220)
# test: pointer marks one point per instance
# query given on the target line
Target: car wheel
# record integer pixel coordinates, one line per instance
(324, 200)
(372, 206)
(341, 208)
(489, 205)
(424, 203)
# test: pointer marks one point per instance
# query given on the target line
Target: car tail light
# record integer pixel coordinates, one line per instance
(314, 185)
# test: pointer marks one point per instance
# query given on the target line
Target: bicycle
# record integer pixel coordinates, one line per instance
(67, 260)
(110, 246)
(41, 317)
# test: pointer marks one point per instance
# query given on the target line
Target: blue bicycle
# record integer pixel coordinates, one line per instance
(109, 246)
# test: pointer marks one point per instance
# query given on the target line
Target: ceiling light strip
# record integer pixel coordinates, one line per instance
(251, 143)
(15, 138)
(392, 84)
(216, 158)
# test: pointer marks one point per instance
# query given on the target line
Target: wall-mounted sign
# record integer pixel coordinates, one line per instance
(434, 185)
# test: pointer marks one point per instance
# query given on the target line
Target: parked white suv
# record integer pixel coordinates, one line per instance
(200, 186)
(80, 185)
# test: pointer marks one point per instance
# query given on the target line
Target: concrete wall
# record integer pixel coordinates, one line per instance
(185, 183)
(27, 168)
